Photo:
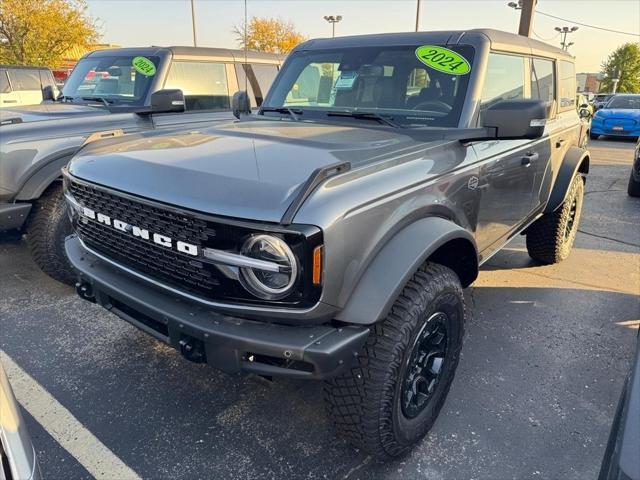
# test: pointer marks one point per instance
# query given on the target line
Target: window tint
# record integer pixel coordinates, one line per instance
(4, 82)
(567, 74)
(543, 83)
(258, 79)
(204, 84)
(24, 79)
(504, 79)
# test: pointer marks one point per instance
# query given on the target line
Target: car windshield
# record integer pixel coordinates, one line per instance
(413, 85)
(625, 102)
(112, 80)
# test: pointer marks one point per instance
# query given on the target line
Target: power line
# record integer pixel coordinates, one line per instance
(587, 25)
(546, 39)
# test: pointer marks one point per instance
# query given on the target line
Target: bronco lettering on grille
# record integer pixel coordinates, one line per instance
(157, 238)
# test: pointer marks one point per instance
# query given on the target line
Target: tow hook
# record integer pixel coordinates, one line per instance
(193, 350)
(85, 291)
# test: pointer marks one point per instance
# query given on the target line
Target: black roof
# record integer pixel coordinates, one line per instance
(498, 40)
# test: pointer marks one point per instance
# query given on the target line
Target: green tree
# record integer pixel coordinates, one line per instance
(624, 64)
(272, 35)
(39, 32)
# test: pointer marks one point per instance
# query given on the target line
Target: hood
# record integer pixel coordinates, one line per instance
(250, 169)
(49, 111)
(633, 113)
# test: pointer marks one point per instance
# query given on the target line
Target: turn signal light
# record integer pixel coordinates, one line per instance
(317, 266)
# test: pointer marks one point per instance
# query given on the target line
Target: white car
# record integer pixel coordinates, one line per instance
(24, 85)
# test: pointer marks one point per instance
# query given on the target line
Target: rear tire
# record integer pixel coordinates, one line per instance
(390, 399)
(633, 189)
(550, 238)
(48, 227)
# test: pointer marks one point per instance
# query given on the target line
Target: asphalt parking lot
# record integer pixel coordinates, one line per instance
(542, 367)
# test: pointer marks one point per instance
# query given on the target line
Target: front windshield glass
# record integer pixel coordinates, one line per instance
(119, 80)
(390, 81)
(625, 103)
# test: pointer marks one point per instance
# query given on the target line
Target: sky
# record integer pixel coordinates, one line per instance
(168, 22)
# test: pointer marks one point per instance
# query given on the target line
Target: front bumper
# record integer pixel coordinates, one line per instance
(231, 344)
(13, 215)
(601, 130)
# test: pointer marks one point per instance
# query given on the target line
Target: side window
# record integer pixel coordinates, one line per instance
(543, 84)
(4, 82)
(204, 84)
(567, 76)
(258, 78)
(25, 79)
(504, 79)
(45, 79)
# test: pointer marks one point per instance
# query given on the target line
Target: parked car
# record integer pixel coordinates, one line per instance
(111, 92)
(620, 117)
(330, 235)
(18, 459)
(601, 99)
(633, 189)
(622, 455)
(24, 85)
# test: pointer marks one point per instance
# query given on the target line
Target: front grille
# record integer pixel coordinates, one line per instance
(169, 266)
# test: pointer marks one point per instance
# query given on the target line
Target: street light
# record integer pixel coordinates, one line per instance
(565, 31)
(333, 20)
(514, 5)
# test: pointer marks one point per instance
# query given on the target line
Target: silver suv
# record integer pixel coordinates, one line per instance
(330, 235)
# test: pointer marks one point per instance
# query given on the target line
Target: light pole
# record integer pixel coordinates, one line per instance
(527, 8)
(333, 19)
(564, 31)
(418, 16)
(193, 23)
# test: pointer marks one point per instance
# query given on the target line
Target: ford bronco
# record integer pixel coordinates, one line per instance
(110, 92)
(330, 235)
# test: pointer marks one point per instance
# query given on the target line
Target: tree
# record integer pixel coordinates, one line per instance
(272, 35)
(39, 32)
(624, 64)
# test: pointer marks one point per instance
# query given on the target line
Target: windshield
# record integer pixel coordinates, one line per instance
(116, 79)
(625, 102)
(411, 85)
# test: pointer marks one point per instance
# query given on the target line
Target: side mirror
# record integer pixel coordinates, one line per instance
(48, 93)
(584, 113)
(240, 104)
(516, 119)
(165, 101)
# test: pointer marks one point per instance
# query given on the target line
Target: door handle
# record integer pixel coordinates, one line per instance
(528, 158)
(560, 143)
(9, 101)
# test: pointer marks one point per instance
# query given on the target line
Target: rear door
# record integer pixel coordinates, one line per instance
(507, 175)
(8, 97)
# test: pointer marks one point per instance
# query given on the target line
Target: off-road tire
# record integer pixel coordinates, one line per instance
(633, 189)
(550, 238)
(365, 402)
(593, 136)
(47, 228)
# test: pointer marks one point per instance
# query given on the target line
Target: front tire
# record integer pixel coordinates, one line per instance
(390, 399)
(633, 189)
(593, 136)
(48, 227)
(550, 238)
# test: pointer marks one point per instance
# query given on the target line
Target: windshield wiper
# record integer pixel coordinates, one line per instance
(293, 113)
(366, 116)
(98, 99)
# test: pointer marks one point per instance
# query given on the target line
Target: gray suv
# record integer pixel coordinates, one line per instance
(330, 235)
(111, 92)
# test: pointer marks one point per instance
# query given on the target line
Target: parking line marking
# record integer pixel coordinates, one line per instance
(66, 429)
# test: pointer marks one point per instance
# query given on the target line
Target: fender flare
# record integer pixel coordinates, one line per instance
(397, 262)
(575, 160)
(40, 180)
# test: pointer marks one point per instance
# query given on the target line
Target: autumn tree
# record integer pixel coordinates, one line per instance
(624, 64)
(272, 35)
(39, 32)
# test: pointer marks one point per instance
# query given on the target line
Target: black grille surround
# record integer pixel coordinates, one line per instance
(194, 275)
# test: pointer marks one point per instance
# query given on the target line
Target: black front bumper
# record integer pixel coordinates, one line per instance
(231, 344)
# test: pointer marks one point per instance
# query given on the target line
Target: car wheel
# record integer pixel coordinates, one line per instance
(390, 399)
(593, 136)
(633, 189)
(550, 238)
(48, 226)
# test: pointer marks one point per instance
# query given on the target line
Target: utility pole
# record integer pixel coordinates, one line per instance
(527, 9)
(193, 23)
(616, 80)
(565, 31)
(418, 16)
(333, 19)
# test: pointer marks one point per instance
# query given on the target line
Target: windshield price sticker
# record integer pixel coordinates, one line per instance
(443, 60)
(346, 80)
(144, 66)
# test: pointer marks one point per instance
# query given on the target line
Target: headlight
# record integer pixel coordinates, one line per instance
(264, 283)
